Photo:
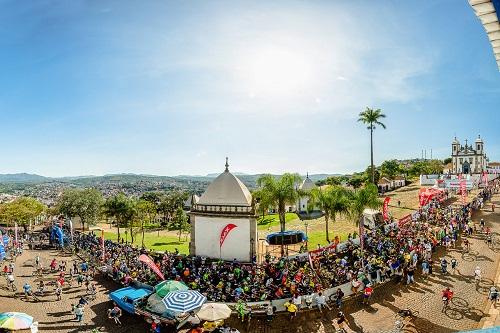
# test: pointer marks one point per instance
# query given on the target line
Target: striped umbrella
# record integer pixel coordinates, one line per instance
(15, 321)
(183, 300)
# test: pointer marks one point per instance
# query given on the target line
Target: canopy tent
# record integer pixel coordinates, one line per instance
(425, 195)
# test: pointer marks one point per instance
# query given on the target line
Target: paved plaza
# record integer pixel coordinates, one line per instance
(468, 310)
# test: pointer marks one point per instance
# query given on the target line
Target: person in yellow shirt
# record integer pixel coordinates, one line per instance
(292, 309)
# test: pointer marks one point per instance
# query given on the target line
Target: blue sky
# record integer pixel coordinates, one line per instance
(172, 87)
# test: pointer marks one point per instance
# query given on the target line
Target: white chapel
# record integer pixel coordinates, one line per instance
(468, 159)
(226, 201)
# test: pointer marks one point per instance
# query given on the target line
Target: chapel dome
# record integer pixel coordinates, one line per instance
(307, 184)
(479, 139)
(226, 190)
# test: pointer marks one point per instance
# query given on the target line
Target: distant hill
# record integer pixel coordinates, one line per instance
(27, 178)
(22, 178)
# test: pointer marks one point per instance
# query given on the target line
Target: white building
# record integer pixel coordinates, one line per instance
(226, 201)
(468, 159)
(306, 186)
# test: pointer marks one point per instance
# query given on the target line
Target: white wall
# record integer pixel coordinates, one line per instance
(237, 243)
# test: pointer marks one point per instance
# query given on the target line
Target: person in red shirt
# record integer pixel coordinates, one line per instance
(367, 293)
(447, 296)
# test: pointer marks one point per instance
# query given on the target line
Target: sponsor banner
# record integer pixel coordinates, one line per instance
(405, 219)
(385, 211)
(227, 229)
(148, 261)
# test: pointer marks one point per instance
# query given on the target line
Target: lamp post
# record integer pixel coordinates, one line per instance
(306, 224)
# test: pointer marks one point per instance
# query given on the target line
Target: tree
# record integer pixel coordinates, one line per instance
(146, 211)
(333, 200)
(169, 203)
(84, 203)
(369, 173)
(180, 221)
(121, 208)
(367, 197)
(390, 168)
(22, 210)
(371, 118)
(447, 160)
(356, 181)
(279, 192)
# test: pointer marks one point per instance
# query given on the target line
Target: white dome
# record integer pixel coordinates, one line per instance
(479, 139)
(226, 190)
(307, 184)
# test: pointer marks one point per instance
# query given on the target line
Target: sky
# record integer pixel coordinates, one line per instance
(173, 87)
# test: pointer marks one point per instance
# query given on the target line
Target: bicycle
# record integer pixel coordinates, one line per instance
(406, 313)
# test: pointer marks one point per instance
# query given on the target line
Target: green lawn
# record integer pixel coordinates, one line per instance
(154, 242)
(318, 237)
(272, 220)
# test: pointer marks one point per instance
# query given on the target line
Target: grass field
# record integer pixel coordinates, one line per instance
(273, 220)
(164, 242)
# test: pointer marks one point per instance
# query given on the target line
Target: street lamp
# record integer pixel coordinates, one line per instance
(306, 224)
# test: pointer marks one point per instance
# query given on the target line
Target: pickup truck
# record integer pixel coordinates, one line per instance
(129, 297)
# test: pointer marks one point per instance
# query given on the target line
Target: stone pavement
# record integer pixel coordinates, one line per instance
(54, 315)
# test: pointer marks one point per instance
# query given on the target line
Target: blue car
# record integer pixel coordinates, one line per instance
(129, 297)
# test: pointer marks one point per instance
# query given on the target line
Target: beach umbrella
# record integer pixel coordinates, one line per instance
(183, 300)
(15, 321)
(164, 287)
(214, 311)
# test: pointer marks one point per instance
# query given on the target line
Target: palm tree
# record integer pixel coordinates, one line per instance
(279, 192)
(367, 197)
(333, 200)
(371, 118)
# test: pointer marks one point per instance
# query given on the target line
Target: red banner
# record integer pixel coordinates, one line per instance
(148, 261)
(405, 219)
(485, 178)
(463, 189)
(385, 210)
(225, 232)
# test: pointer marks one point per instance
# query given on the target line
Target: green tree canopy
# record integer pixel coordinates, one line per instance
(122, 209)
(84, 203)
(366, 197)
(333, 201)
(21, 210)
(279, 192)
(390, 168)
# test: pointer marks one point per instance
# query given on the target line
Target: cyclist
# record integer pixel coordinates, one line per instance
(27, 290)
(447, 296)
(367, 293)
(477, 275)
(115, 313)
(444, 266)
(341, 321)
(82, 301)
(454, 265)
(10, 281)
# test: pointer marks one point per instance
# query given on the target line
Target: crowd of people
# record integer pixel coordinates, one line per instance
(392, 251)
